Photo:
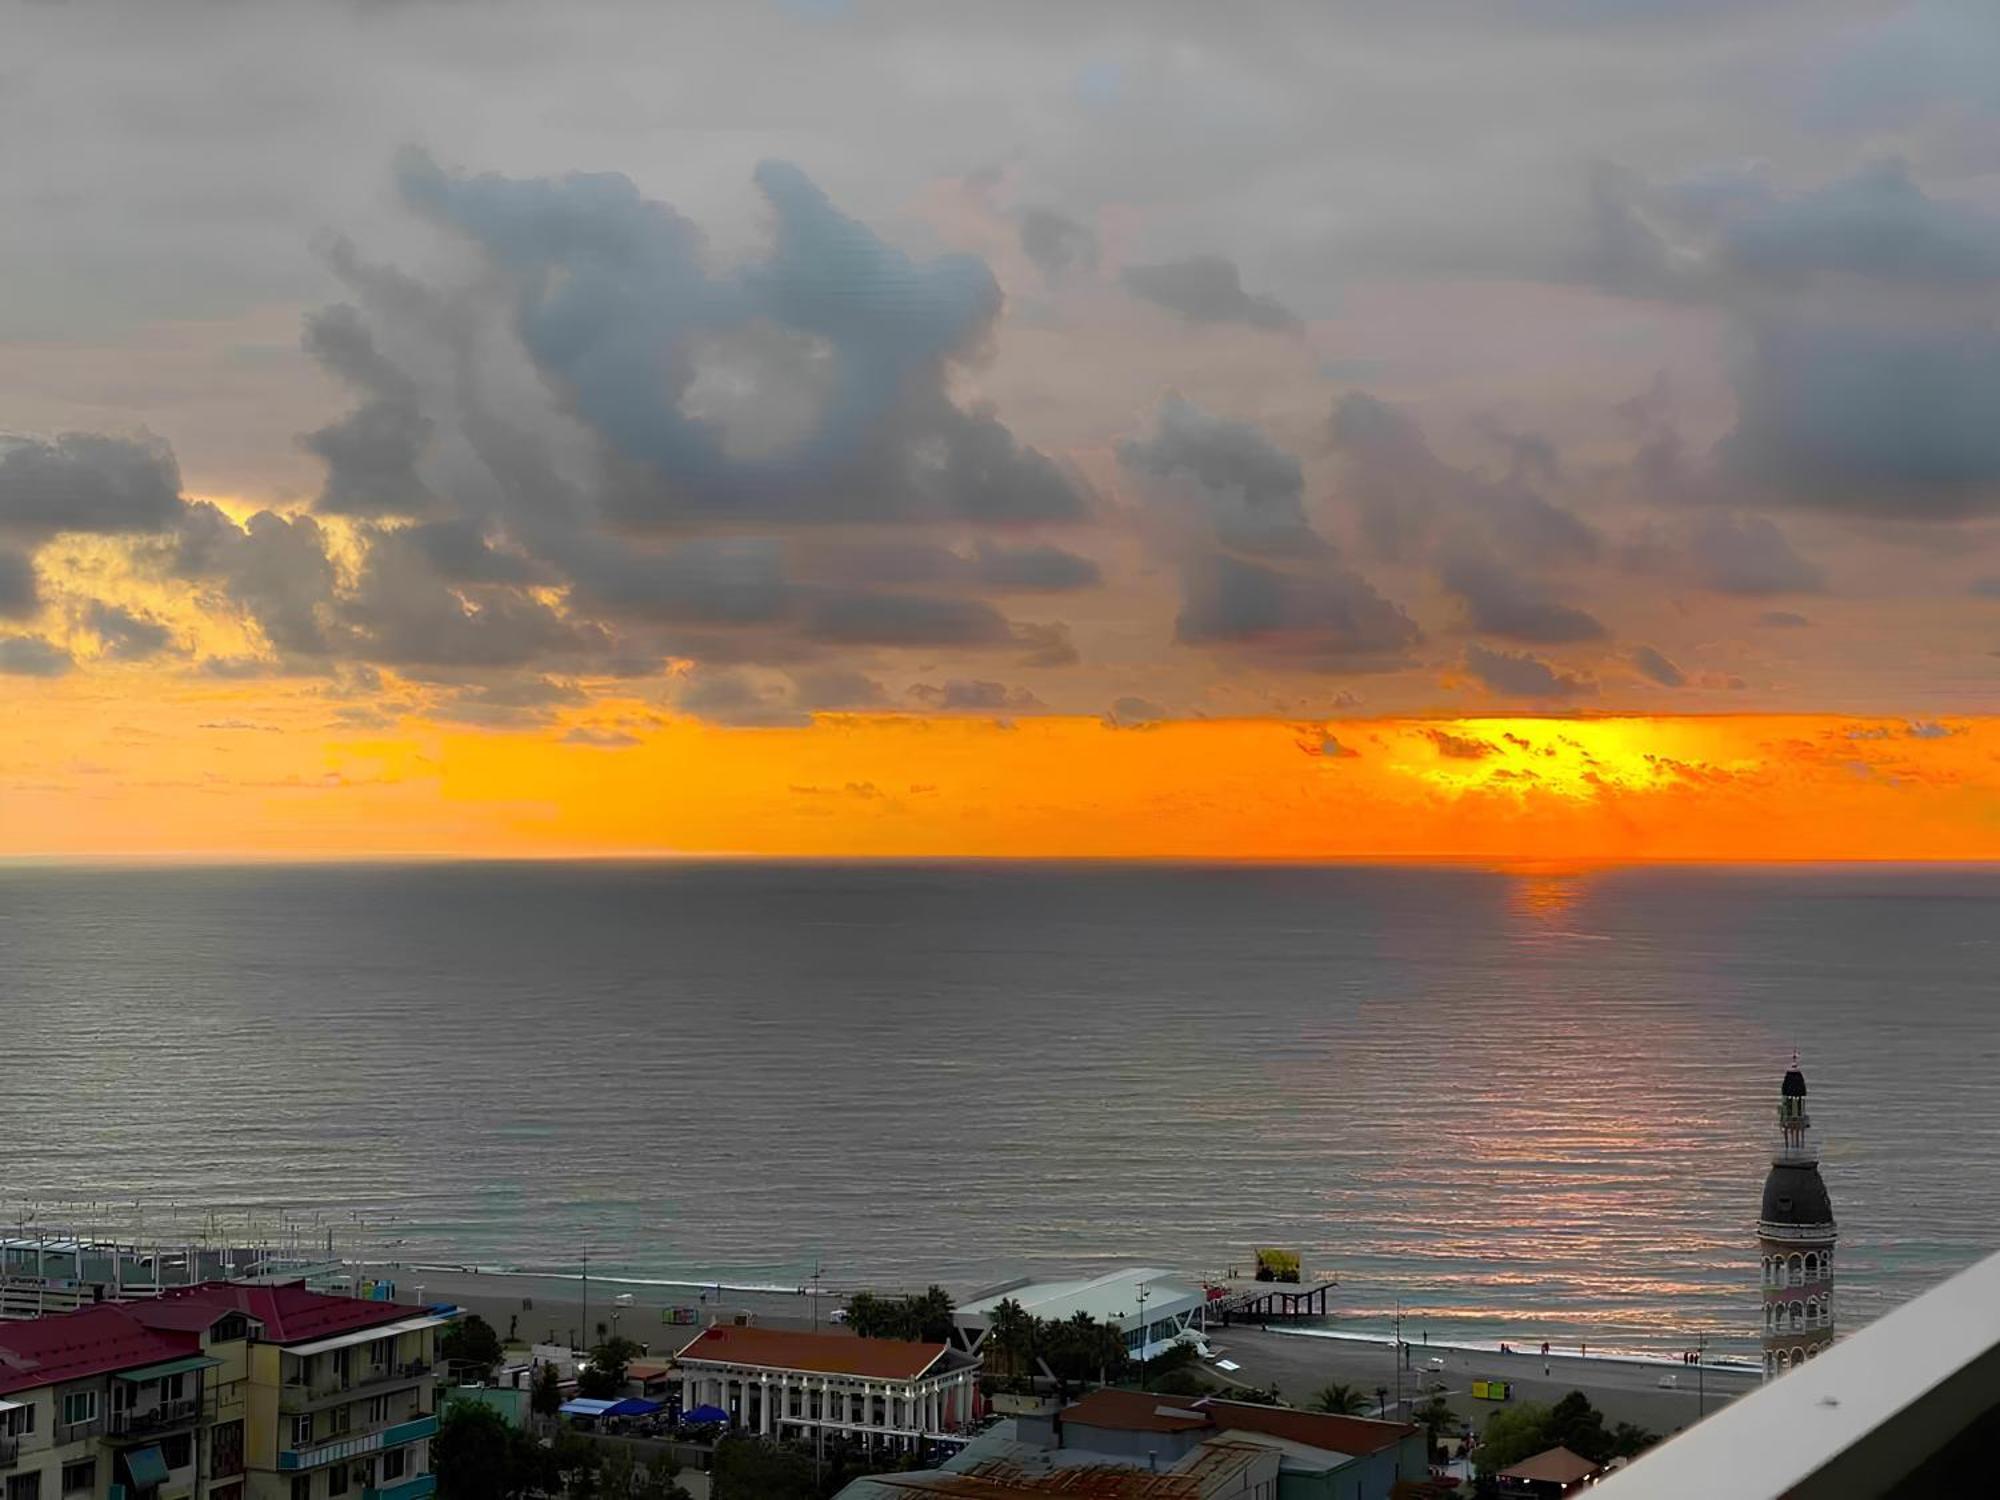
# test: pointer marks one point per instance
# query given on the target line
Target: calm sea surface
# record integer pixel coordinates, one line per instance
(1527, 1104)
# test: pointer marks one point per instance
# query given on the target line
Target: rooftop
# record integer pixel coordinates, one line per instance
(1112, 1297)
(811, 1353)
(1140, 1411)
(291, 1314)
(89, 1341)
(1552, 1466)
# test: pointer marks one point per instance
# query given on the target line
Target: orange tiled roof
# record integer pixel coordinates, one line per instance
(813, 1353)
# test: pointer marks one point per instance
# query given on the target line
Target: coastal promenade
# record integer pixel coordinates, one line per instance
(1297, 1363)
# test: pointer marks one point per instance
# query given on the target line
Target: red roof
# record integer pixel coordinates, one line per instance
(124, 1335)
(1141, 1411)
(290, 1314)
(1552, 1466)
(89, 1341)
(816, 1353)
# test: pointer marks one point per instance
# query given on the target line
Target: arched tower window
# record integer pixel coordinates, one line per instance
(1798, 1313)
(1812, 1267)
(1812, 1312)
(1798, 1269)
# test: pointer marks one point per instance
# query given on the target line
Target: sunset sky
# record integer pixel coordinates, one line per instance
(1532, 429)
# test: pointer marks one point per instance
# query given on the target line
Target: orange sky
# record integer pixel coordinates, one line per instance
(219, 769)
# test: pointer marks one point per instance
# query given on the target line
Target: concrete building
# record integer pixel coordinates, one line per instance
(789, 1384)
(223, 1391)
(1795, 1235)
(1151, 1307)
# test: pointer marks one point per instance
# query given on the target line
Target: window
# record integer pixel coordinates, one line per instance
(336, 1480)
(395, 1463)
(378, 1410)
(225, 1450)
(382, 1353)
(343, 1418)
(79, 1407)
(80, 1477)
(340, 1364)
(25, 1487)
(228, 1330)
(302, 1487)
(302, 1431)
(177, 1452)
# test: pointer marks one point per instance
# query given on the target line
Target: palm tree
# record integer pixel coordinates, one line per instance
(1012, 1337)
(1341, 1399)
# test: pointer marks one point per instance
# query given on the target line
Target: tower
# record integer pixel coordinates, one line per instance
(1795, 1232)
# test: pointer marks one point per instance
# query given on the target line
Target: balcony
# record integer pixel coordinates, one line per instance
(10, 1452)
(357, 1445)
(295, 1396)
(1905, 1408)
(154, 1419)
(77, 1432)
(408, 1489)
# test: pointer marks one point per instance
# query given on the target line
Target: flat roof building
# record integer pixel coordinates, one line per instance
(1163, 1305)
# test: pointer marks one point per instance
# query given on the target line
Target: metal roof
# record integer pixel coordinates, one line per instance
(1110, 1298)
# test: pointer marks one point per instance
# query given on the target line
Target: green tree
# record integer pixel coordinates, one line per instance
(1513, 1434)
(1629, 1440)
(1578, 1426)
(932, 1316)
(748, 1468)
(604, 1377)
(1010, 1339)
(1341, 1399)
(545, 1400)
(1435, 1416)
(477, 1456)
(470, 1350)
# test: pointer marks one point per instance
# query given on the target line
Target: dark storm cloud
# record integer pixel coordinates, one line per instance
(126, 636)
(1652, 664)
(708, 581)
(19, 595)
(1206, 289)
(1055, 242)
(1518, 675)
(1499, 602)
(1878, 223)
(1328, 615)
(33, 656)
(1405, 493)
(1869, 419)
(81, 481)
(615, 301)
(372, 453)
(461, 552)
(1237, 482)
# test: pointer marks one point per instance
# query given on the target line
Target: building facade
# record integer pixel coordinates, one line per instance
(786, 1384)
(221, 1391)
(1795, 1235)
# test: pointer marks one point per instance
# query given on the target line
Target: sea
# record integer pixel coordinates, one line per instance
(1501, 1103)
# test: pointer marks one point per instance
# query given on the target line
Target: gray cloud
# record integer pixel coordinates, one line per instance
(1226, 475)
(1748, 555)
(33, 656)
(1406, 493)
(967, 695)
(1652, 664)
(274, 567)
(1133, 713)
(372, 453)
(20, 597)
(1055, 242)
(615, 300)
(1986, 588)
(1206, 289)
(85, 482)
(1518, 675)
(405, 613)
(730, 697)
(825, 689)
(864, 619)
(1328, 617)
(1033, 569)
(1499, 602)
(127, 636)
(602, 739)
(1783, 619)
(1049, 644)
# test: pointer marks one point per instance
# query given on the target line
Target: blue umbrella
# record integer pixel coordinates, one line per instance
(701, 1416)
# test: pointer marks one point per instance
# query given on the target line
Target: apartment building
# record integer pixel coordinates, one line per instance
(221, 1391)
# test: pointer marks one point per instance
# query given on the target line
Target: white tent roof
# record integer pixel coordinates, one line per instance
(1110, 1298)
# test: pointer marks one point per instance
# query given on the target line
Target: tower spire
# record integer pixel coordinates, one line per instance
(1796, 1233)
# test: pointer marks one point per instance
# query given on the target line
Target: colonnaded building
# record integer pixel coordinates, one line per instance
(1796, 1233)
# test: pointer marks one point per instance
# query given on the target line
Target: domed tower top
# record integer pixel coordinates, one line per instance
(1794, 1086)
(1796, 1234)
